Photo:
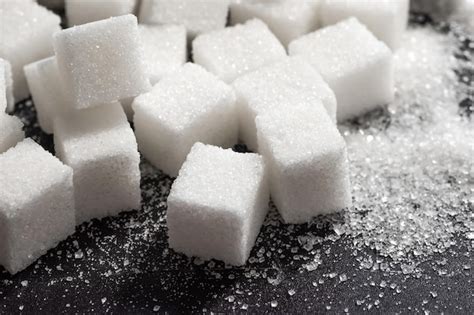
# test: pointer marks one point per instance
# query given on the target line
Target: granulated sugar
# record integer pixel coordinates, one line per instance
(412, 181)
(403, 248)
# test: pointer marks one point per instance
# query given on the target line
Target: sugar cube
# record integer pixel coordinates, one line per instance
(11, 131)
(197, 16)
(100, 146)
(287, 19)
(36, 204)
(218, 204)
(47, 90)
(386, 19)
(236, 50)
(165, 49)
(356, 65)
(101, 62)
(307, 160)
(26, 30)
(185, 107)
(7, 101)
(275, 85)
(85, 11)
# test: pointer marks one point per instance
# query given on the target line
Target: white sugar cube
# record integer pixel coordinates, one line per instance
(165, 49)
(85, 11)
(185, 107)
(26, 31)
(287, 19)
(236, 50)
(197, 16)
(100, 146)
(47, 90)
(7, 101)
(101, 62)
(386, 19)
(278, 85)
(217, 204)
(11, 131)
(307, 160)
(36, 204)
(356, 65)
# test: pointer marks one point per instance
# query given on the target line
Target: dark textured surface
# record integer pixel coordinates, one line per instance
(123, 265)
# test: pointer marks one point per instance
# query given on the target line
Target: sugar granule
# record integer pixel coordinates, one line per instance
(411, 181)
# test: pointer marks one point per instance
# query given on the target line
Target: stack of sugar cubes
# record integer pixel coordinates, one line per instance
(272, 80)
(96, 172)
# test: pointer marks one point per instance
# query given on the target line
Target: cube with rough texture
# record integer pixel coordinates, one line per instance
(307, 159)
(236, 50)
(26, 31)
(85, 11)
(47, 90)
(277, 85)
(188, 106)
(356, 65)
(217, 204)
(100, 146)
(102, 62)
(11, 131)
(287, 19)
(7, 101)
(386, 19)
(197, 16)
(36, 204)
(164, 47)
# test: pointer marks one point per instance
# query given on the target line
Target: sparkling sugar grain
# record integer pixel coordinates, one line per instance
(423, 117)
(411, 182)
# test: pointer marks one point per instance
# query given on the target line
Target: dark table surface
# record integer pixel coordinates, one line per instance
(124, 265)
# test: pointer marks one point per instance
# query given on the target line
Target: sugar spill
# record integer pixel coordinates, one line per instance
(411, 171)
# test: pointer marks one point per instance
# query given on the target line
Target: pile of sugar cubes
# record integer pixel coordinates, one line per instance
(278, 78)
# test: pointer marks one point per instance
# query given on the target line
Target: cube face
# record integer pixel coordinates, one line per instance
(188, 106)
(11, 131)
(386, 19)
(107, 186)
(165, 49)
(37, 208)
(101, 148)
(287, 19)
(350, 67)
(217, 204)
(196, 15)
(309, 189)
(26, 30)
(236, 50)
(86, 11)
(7, 101)
(47, 90)
(223, 239)
(308, 162)
(278, 85)
(101, 62)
